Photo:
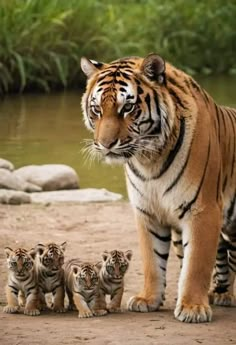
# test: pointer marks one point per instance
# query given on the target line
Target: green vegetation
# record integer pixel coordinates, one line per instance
(41, 41)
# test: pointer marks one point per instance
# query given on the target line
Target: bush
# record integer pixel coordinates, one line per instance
(41, 41)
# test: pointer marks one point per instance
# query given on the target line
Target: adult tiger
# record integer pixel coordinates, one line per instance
(179, 151)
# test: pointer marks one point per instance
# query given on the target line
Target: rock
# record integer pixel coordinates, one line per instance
(9, 180)
(4, 164)
(14, 197)
(49, 176)
(81, 195)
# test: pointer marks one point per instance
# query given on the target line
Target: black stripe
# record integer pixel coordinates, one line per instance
(161, 238)
(231, 208)
(218, 121)
(162, 256)
(233, 127)
(177, 243)
(187, 207)
(163, 268)
(177, 99)
(136, 172)
(221, 289)
(179, 256)
(225, 183)
(221, 265)
(146, 213)
(180, 173)
(133, 185)
(174, 151)
(185, 245)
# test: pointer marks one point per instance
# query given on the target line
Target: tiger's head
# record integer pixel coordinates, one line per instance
(51, 256)
(127, 106)
(116, 263)
(85, 277)
(20, 261)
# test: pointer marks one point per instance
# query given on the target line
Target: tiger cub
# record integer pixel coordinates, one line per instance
(82, 288)
(50, 274)
(114, 266)
(21, 279)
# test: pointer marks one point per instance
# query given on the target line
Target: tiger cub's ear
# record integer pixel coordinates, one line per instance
(153, 67)
(39, 248)
(63, 246)
(89, 67)
(8, 251)
(75, 270)
(32, 252)
(98, 265)
(105, 255)
(129, 254)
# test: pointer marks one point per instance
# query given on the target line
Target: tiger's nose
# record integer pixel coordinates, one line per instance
(108, 144)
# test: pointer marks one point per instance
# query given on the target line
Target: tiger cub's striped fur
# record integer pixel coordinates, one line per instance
(82, 288)
(21, 278)
(179, 151)
(50, 274)
(113, 268)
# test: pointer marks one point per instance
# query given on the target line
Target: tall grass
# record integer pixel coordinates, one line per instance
(41, 41)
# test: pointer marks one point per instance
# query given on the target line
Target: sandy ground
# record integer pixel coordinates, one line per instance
(90, 229)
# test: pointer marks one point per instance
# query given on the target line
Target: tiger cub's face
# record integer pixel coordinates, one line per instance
(116, 263)
(51, 256)
(124, 108)
(20, 261)
(85, 277)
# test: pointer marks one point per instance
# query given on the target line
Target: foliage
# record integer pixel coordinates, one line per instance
(41, 41)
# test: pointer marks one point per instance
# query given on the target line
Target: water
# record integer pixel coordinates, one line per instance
(40, 129)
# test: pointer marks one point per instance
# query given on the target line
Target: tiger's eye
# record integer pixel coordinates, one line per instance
(128, 107)
(123, 268)
(96, 109)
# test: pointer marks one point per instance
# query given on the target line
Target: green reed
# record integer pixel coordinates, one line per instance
(41, 41)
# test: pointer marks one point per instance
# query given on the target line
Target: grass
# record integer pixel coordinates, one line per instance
(41, 41)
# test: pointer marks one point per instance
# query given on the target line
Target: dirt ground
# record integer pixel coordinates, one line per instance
(89, 229)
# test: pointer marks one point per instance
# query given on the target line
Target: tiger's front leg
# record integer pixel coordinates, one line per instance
(155, 244)
(200, 238)
(32, 303)
(58, 299)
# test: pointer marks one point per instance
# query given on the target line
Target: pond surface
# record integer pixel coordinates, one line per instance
(40, 129)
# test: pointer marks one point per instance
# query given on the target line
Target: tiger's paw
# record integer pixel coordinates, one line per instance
(85, 314)
(99, 312)
(225, 299)
(143, 305)
(11, 309)
(59, 309)
(193, 313)
(32, 312)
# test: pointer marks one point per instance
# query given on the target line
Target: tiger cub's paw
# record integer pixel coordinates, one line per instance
(116, 310)
(225, 299)
(99, 312)
(142, 304)
(11, 309)
(32, 312)
(193, 313)
(59, 309)
(85, 314)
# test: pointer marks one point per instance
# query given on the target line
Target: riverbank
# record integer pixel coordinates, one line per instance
(89, 229)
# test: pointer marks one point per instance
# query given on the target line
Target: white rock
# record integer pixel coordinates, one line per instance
(4, 164)
(14, 197)
(50, 176)
(8, 180)
(81, 195)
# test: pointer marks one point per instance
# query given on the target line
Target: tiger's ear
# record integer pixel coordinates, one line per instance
(129, 254)
(63, 246)
(90, 67)
(39, 248)
(105, 255)
(8, 251)
(153, 67)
